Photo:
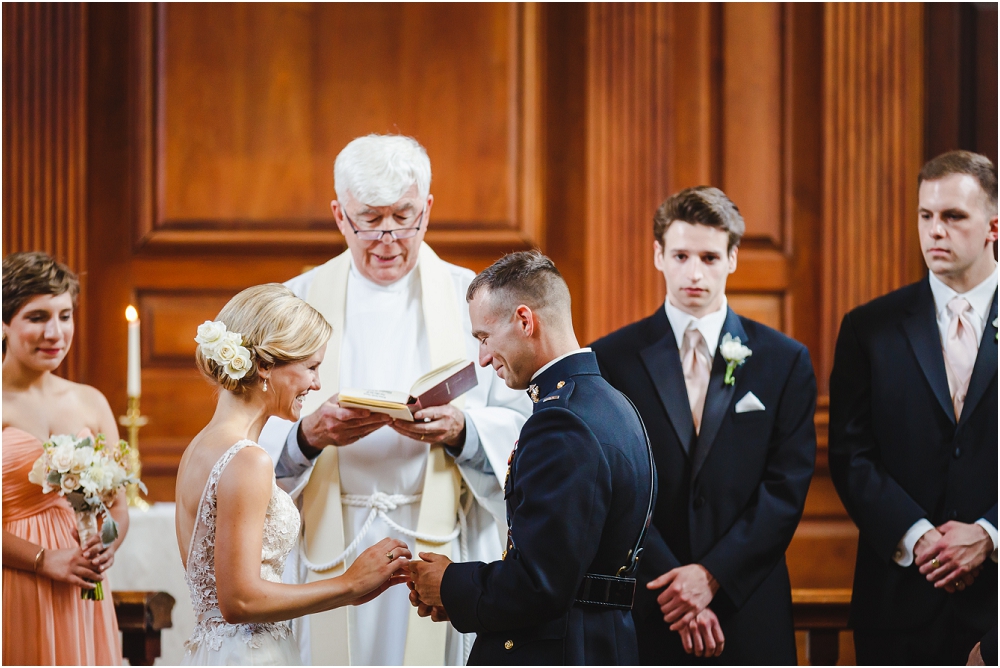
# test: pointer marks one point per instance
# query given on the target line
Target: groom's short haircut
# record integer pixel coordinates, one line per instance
(377, 170)
(525, 277)
(701, 205)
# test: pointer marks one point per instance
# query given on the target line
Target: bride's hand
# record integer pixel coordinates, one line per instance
(373, 572)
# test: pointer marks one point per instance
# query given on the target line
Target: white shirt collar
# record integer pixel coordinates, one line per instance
(980, 298)
(561, 357)
(710, 325)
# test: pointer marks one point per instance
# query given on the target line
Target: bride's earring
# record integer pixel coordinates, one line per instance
(265, 384)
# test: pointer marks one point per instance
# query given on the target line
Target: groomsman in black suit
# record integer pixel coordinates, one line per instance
(729, 406)
(579, 492)
(913, 433)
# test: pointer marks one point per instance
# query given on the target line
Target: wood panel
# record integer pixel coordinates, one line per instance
(44, 138)
(242, 108)
(752, 115)
(873, 88)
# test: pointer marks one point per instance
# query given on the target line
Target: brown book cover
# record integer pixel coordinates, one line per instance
(435, 388)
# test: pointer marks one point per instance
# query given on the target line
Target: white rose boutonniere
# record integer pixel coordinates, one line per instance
(735, 354)
(997, 333)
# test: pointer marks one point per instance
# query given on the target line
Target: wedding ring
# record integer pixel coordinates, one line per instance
(422, 436)
(959, 585)
(935, 563)
(389, 555)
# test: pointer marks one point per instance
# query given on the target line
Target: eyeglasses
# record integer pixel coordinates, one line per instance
(379, 235)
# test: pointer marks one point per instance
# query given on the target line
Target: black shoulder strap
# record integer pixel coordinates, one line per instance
(628, 570)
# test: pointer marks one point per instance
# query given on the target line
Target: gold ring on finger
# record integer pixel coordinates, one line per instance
(389, 555)
(935, 563)
(959, 585)
(422, 436)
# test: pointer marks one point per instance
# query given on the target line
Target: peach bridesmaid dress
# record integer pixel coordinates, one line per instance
(45, 622)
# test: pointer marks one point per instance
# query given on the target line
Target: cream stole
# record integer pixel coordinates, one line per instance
(322, 512)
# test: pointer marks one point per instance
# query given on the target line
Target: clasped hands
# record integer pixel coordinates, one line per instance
(684, 603)
(425, 585)
(951, 556)
(333, 424)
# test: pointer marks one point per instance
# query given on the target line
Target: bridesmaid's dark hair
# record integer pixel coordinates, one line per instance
(28, 274)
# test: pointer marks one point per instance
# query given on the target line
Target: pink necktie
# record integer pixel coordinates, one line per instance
(696, 374)
(960, 350)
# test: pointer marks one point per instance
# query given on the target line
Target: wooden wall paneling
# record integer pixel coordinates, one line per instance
(44, 136)
(752, 111)
(628, 135)
(243, 108)
(873, 120)
(564, 106)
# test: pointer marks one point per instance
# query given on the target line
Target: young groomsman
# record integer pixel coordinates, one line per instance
(728, 404)
(913, 433)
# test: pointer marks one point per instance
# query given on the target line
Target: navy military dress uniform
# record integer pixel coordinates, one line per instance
(578, 495)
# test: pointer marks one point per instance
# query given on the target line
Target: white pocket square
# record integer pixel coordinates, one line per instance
(749, 403)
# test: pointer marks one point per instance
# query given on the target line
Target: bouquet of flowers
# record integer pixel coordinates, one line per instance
(88, 472)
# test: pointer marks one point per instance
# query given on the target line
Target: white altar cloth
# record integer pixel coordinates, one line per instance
(149, 560)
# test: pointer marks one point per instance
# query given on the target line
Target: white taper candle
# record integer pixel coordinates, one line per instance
(134, 367)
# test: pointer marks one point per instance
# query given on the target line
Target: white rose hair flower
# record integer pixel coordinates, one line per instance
(225, 348)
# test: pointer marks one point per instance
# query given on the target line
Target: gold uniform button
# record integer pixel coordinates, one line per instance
(560, 384)
(509, 644)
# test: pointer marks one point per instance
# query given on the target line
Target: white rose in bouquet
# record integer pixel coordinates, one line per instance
(62, 457)
(82, 457)
(39, 471)
(210, 336)
(70, 482)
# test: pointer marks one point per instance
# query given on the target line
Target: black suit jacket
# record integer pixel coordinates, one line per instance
(898, 455)
(577, 495)
(731, 497)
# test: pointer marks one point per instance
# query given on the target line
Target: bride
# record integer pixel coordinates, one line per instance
(234, 525)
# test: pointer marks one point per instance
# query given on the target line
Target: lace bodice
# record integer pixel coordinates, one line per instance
(281, 529)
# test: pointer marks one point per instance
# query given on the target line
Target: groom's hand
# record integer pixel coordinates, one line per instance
(436, 424)
(332, 424)
(689, 590)
(437, 613)
(426, 577)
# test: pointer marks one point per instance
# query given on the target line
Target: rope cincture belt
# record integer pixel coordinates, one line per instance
(380, 504)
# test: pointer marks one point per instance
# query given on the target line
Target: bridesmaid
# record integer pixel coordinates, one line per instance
(45, 621)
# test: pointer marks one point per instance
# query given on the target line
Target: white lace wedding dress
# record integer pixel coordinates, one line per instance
(213, 641)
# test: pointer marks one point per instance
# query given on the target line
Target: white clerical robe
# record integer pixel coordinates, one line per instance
(385, 346)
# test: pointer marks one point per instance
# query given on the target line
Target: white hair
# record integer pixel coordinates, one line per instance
(378, 169)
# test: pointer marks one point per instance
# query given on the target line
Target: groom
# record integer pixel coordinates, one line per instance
(579, 491)
(728, 404)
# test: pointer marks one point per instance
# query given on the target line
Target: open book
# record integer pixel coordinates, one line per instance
(434, 388)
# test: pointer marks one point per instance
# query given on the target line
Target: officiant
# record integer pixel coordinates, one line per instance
(397, 311)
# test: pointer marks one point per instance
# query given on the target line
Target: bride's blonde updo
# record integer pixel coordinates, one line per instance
(276, 327)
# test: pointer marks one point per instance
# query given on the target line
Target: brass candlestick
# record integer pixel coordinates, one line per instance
(133, 420)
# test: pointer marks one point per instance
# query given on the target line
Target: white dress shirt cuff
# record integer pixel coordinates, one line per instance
(904, 551)
(992, 531)
(292, 447)
(467, 450)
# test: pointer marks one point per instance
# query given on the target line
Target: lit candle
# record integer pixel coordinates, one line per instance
(134, 369)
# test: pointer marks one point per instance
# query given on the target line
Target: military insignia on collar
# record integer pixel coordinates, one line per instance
(533, 393)
(561, 384)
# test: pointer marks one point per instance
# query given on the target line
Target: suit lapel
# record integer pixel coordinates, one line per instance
(985, 369)
(925, 339)
(719, 396)
(663, 362)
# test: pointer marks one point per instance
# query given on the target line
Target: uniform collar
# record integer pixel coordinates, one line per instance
(578, 362)
(710, 325)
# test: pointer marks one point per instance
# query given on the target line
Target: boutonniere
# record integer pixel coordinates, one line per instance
(735, 354)
(997, 334)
